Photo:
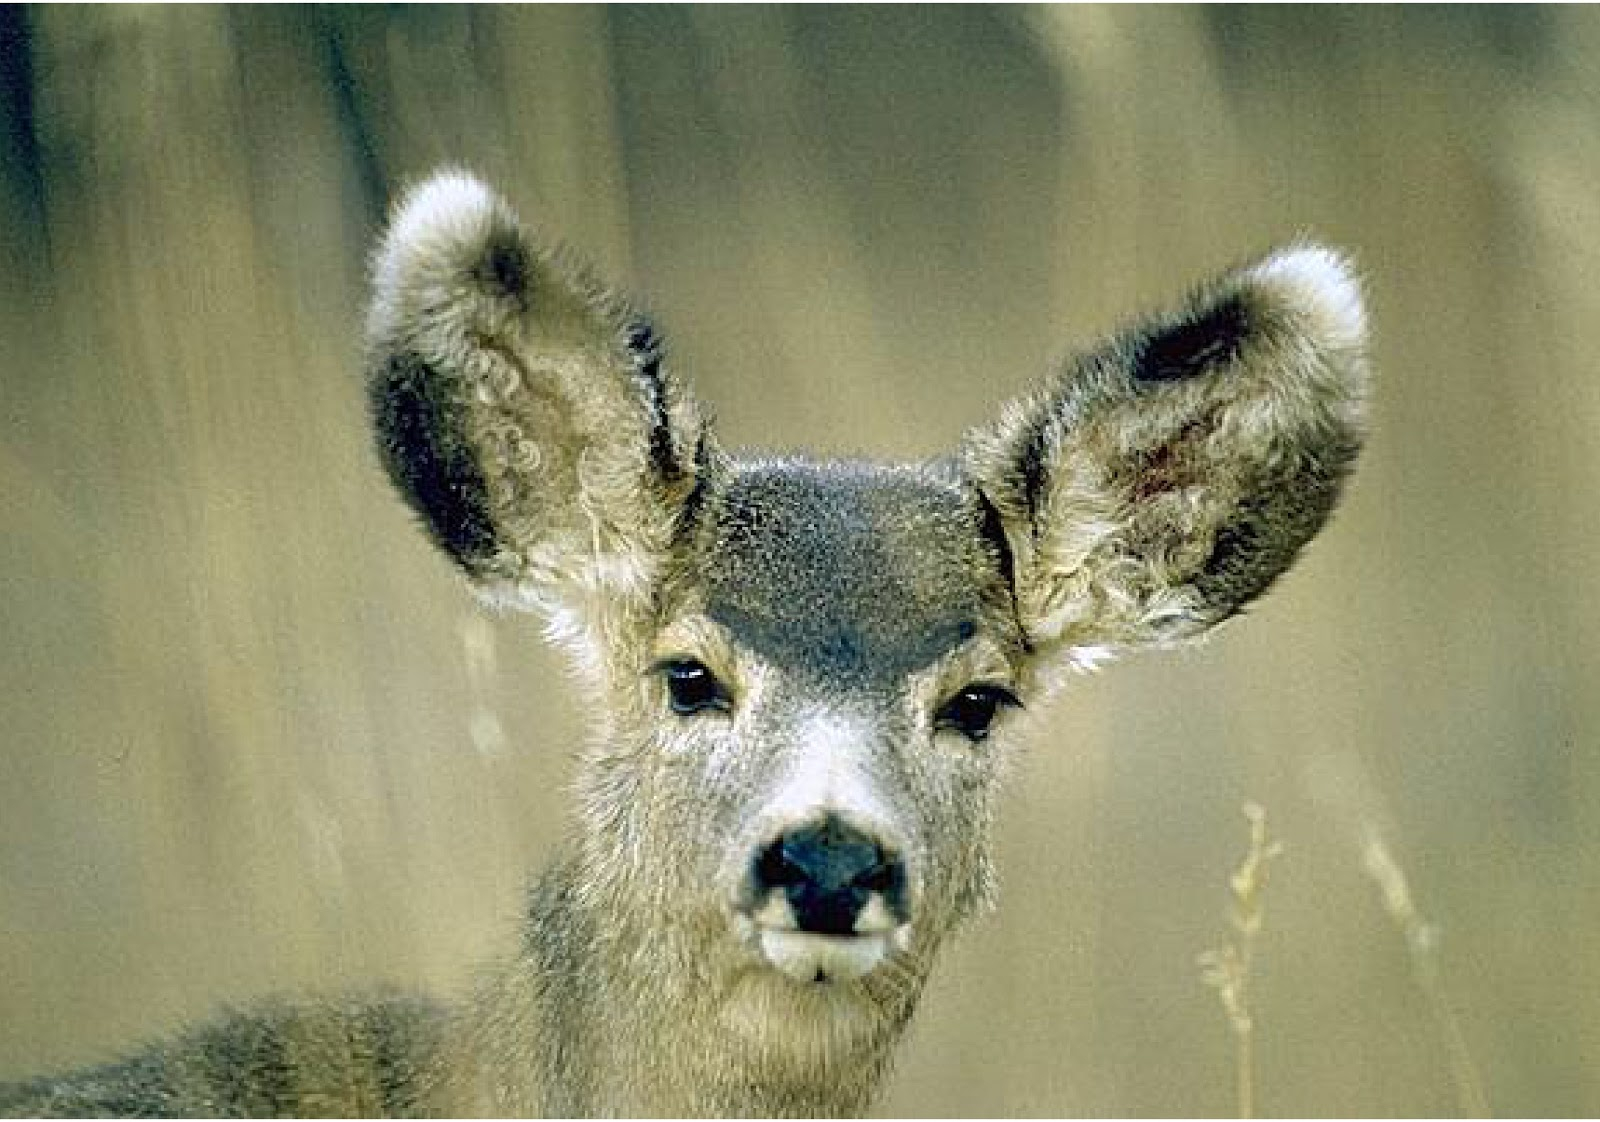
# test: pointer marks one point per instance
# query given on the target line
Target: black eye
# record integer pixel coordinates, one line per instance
(692, 688)
(973, 710)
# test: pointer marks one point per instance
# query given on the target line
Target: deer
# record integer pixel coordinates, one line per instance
(806, 677)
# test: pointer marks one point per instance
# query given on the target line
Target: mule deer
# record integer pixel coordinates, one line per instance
(806, 676)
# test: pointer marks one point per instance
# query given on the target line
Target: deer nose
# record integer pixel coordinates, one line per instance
(828, 872)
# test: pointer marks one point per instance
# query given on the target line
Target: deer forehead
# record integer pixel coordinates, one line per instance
(855, 573)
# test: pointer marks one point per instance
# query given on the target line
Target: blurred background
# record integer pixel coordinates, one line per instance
(256, 738)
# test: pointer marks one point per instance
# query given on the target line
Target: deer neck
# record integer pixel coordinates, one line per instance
(600, 1015)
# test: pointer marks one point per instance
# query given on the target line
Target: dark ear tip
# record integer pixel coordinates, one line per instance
(1201, 340)
(505, 267)
(1318, 285)
(1307, 289)
(448, 228)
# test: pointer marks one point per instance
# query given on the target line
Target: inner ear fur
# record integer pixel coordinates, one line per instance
(1156, 484)
(525, 412)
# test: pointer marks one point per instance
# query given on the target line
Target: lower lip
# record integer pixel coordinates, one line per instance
(819, 959)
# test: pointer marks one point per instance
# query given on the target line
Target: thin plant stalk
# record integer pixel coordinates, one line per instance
(1227, 969)
(1422, 943)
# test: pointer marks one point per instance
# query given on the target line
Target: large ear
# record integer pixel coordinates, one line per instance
(524, 412)
(1157, 484)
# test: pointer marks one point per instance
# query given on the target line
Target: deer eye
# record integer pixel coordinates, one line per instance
(973, 710)
(692, 688)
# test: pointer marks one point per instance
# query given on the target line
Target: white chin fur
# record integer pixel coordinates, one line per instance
(806, 957)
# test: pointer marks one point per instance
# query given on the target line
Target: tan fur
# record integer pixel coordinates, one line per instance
(864, 626)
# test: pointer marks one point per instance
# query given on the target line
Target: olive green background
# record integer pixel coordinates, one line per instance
(255, 737)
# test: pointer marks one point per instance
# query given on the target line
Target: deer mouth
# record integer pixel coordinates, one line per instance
(820, 957)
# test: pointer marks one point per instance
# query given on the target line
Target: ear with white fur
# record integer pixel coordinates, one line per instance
(522, 410)
(1154, 486)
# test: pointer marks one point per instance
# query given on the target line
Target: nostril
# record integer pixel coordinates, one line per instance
(774, 869)
(884, 876)
(827, 873)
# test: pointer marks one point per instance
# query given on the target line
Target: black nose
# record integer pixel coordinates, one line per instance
(828, 871)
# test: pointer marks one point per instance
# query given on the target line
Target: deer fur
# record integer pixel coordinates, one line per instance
(786, 658)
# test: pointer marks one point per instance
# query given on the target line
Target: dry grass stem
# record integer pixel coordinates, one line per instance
(1227, 969)
(1422, 943)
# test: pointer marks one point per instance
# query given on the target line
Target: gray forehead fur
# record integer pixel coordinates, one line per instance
(859, 572)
